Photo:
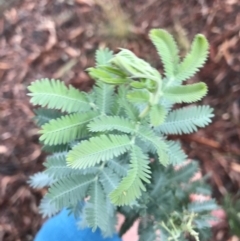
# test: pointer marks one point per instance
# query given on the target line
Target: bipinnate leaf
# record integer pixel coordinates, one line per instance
(101, 148)
(194, 60)
(110, 123)
(104, 97)
(204, 206)
(118, 166)
(131, 186)
(176, 153)
(96, 211)
(66, 128)
(186, 120)
(184, 173)
(43, 116)
(41, 179)
(157, 115)
(154, 142)
(70, 190)
(56, 166)
(103, 56)
(54, 94)
(167, 50)
(46, 208)
(108, 179)
(186, 93)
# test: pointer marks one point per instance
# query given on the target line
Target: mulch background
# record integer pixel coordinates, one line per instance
(57, 39)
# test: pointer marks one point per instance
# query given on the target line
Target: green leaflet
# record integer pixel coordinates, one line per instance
(138, 96)
(186, 120)
(157, 115)
(176, 153)
(129, 109)
(202, 206)
(186, 93)
(131, 186)
(66, 128)
(118, 166)
(103, 56)
(110, 123)
(167, 49)
(194, 60)
(46, 208)
(56, 165)
(96, 149)
(96, 210)
(44, 115)
(156, 143)
(138, 85)
(105, 76)
(54, 94)
(184, 173)
(41, 179)
(68, 191)
(109, 180)
(134, 66)
(104, 97)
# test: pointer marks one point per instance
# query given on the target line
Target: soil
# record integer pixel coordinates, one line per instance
(57, 39)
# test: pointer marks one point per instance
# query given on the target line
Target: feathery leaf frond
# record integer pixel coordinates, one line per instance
(68, 191)
(109, 180)
(104, 97)
(138, 96)
(54, 94)
(167, 50)
(194, 60)
(186, 120)
(186, 93)
(66, 128)
(154, 142)
(110, 123)
(157, 115)
(176, 153)
(46, 208)
(56, 165)
(184, 173)
(131, 186)
(40, 180)
(103, 56)
(118, 166)
(96, 210)
(96, 149)
(43, 116)
(204, 206)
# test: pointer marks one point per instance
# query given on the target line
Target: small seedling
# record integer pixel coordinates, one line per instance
(109, 147)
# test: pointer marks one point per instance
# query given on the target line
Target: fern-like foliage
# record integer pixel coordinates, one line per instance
(66, 128)
(97, 149)
(186, 120)
(167, 49)
(110, 145)
(131, 185)
(55, 95)
(40, 180)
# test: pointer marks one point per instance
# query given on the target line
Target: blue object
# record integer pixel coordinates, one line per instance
(63, 227)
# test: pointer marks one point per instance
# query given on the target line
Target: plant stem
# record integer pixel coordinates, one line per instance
(144, 112)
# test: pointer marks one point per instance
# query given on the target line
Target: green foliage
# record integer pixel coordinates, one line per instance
(231, 205)
(110, 145)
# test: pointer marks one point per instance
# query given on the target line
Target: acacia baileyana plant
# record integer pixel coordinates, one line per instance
(110, 147)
